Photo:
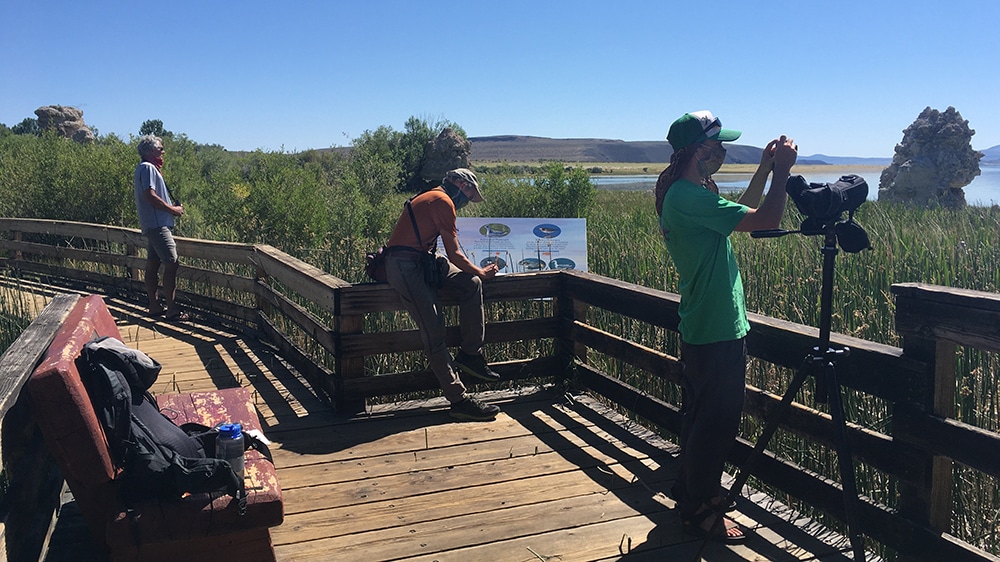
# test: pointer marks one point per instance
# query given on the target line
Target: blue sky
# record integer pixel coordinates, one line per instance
(842, 78)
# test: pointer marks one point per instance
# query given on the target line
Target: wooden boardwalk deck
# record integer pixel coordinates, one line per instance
(552, 479)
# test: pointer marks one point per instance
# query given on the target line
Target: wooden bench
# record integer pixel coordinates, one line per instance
(196, 527)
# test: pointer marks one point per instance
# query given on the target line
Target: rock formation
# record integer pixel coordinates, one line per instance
(933, 162)
(446, 152)
(67, 121)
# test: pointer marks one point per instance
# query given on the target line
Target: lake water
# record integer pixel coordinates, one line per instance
(983, 191)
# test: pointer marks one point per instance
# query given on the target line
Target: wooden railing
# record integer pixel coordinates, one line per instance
(30, 479)
(323, 326)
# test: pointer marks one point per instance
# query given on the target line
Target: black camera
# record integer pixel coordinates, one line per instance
(824, 203)
(827, 201)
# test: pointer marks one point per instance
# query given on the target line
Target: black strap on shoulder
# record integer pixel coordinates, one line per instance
(413, 219)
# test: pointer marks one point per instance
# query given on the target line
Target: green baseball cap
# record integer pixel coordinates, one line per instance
(697, 126)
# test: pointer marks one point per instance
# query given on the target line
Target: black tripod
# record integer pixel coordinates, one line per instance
(821, 363)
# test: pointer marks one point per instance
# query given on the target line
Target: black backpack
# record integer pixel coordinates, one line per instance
(157, 458)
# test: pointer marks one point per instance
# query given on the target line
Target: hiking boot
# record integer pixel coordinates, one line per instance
(470, 409)
(475, 366)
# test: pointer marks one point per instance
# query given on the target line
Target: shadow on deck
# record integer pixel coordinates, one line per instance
(554, 478)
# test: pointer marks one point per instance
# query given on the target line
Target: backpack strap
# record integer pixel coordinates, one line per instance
(111, 397)
(252, 442)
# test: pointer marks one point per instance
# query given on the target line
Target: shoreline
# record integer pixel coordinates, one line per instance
(804, 169)
(654, 168)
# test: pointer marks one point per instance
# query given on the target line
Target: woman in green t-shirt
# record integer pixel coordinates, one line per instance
(696, 223)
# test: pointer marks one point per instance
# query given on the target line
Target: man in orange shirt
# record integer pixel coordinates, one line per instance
(427, 216)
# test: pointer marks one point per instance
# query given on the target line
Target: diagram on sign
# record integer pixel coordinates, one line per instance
(519, 245)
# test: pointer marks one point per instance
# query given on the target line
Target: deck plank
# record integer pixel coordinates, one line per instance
(461, 531)
(551, 479)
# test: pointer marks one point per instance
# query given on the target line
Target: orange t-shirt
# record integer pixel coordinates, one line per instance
(435, 214)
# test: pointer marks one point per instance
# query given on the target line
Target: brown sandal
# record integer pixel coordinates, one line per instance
(696, 526)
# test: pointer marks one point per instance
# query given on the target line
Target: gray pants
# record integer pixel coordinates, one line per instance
(405, 274)
(160, 244)
(714, 389)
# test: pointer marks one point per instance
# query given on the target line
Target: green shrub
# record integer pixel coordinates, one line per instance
(553, 191)
(51, 177)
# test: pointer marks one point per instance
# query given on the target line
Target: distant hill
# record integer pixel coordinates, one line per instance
(848, 160)
(517, 148)
(520, 148)
(992, 156)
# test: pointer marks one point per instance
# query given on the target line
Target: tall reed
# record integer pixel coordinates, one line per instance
(15, 311)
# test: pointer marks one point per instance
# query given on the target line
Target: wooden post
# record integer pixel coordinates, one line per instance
(348, 367)
(260, 303)
(942, 468)
(132, 250)
(931, 502)
(17, 238)
(569, 310)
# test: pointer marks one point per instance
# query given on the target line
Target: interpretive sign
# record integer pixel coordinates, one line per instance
(524, 244)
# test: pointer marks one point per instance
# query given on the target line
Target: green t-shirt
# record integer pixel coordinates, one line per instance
(696, 225)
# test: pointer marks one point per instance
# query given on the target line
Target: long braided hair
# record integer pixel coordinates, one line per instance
(678, 161)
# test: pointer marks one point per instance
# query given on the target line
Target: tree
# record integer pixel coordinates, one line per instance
(154, 127)
(566, 192)
(27, 127)
(418, 134)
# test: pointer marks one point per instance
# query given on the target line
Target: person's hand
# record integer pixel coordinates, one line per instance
(767, 155)
(785, 154)
(178, 210)
(490, 271)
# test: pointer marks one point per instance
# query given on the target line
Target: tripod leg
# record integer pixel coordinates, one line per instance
(845, 462)
(769, 430)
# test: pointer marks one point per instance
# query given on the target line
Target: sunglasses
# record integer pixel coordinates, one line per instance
(713, 128)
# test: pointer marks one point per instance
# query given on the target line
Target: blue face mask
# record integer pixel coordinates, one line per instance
(458, 197)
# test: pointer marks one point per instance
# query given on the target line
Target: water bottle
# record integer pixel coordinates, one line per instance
(229, 446)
